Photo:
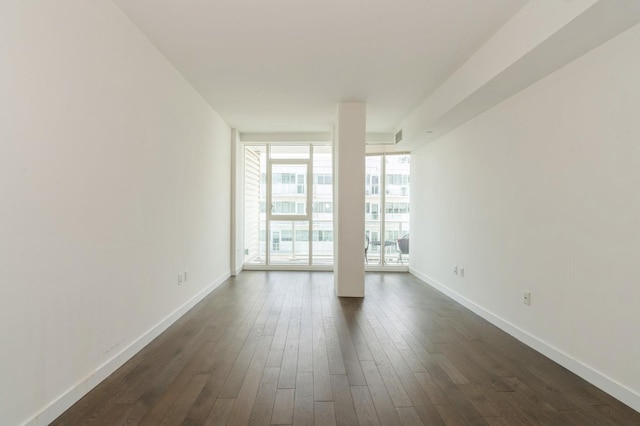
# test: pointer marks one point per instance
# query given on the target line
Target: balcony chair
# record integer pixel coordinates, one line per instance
(403, 247)
(366, 248)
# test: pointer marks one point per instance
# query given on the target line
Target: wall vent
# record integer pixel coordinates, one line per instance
(399, 136)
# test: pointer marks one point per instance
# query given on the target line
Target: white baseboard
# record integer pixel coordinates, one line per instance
(591, 375)
(73, 395)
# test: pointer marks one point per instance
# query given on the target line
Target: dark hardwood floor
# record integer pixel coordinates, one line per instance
(279, 348)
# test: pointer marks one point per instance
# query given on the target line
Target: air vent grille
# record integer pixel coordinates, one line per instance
(399, 136)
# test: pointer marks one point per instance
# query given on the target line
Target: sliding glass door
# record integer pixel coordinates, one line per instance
(387, 201)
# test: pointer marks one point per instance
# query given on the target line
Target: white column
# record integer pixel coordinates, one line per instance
(349, 172)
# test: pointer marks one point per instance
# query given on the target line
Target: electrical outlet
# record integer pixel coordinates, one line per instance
(526, 297)
(455, 269)
(462, 272)
(179, 279)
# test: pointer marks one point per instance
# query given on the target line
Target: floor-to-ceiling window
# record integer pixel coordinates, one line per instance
(386, 209)
(288, 205)
(322, 207)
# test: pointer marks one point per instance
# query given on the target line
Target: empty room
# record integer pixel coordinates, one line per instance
(421, 212)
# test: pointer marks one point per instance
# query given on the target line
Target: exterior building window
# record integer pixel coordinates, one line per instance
(397, 208)
(323, 207)
(321, 235)
(391, 236)
(375, 188)
(323, 179)
(287, 207)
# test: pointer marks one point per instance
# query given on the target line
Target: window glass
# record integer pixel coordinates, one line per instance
(397, 202)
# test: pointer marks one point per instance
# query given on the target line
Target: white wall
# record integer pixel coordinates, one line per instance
(114, 178)
(542, 192)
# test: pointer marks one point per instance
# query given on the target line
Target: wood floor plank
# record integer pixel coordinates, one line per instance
(163, 368)
(265, 398)
(282, 328)
(275, 357)
(185, 400)
(303, 406)
(454, 374)
(223, 358)
(324, 413)
(500, 421)
(289, 366)
(283, 407)
(607, 414)
(174, 391)
(321, 373)
(463, 408)
(473, 369)
(379, 346)
(248, 392)
(431, 388)
(220, 412)
(350, 357)
(363, 404)
(450, 415)
(477, 396)
(409, 416)
(409, 386)
(343, 401)
(116, 414)
(379, 395)
(358, 340)
(420, 401)
(237, 374)
(305, 343)
(136, 413)
(576, 418)
(334, 352)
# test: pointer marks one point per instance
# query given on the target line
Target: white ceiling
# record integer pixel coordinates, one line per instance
(283, 65)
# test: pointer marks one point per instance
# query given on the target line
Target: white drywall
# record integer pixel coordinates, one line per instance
(541, 193)
(114, 178)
